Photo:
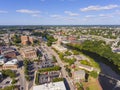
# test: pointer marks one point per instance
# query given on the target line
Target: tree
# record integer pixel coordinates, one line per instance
(14, 81)
(57, 79)
(93, 74)
(9, 73)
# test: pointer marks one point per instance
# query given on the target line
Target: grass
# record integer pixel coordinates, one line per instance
(92, 84)
(92, 61)
(93, 87)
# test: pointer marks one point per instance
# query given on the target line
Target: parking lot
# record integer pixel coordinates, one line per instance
(48, 76)
(6, 82)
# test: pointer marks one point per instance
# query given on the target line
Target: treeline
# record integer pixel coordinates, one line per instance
(100, 48)
(55, 68)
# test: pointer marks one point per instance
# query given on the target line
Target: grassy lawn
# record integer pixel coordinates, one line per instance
(92, 84)
(92, 62)
(94, 87)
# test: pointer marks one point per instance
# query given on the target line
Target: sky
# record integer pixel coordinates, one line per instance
(59, 12)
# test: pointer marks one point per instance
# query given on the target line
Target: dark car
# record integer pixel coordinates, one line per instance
(7, 82)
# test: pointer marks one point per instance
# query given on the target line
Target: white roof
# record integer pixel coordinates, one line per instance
(51, 86)
(13, 61)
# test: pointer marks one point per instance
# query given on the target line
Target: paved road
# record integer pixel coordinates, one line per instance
(64, 73)
(22, 76)
(22, 80)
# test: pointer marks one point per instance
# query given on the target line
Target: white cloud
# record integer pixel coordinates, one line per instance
(90, 16)
(26, 11)
(1, 11)
(71, 13)
(55, 16)
(36, 15)
(69, 19)
(97, 8)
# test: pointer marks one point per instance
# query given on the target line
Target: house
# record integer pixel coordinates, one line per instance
(51, 86)
(28, 52)
(79, 75)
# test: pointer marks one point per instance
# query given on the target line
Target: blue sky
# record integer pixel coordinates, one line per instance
(59, 12)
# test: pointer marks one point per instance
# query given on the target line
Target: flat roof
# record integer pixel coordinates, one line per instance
(27, 49)
(51, 86)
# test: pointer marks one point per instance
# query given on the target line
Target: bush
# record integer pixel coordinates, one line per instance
(9, 73)
(14, 81)
(27, 77)
(85, 62)
(57, 79)
(54, 59)
(8, 88)
(94, 74)
(37, 79)
(55, 68)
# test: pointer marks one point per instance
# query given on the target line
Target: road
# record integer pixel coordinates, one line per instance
(61, 64)
(22, 80)
(22, 76)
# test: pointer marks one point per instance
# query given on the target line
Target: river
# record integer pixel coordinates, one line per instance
(107, 83)
(108, 69)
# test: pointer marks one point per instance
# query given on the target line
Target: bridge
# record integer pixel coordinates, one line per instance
(117, 81)
(107, 76)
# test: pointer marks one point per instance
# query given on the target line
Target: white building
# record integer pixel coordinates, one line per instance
(79, 75)
(59, 48)
(12, 64)
(51, 86)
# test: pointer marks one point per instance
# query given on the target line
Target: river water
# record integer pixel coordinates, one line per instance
(107, 83)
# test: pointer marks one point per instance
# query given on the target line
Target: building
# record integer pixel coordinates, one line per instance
(88, 68)
(51, 86)
(28, 52)
(116, 50)
(1, 77)
(2, 59)
(59, 48)
(72, 38)
(79, 75)
(46, 62)
(26, 40)
(8, 52)
(12, 64)
(47, 77)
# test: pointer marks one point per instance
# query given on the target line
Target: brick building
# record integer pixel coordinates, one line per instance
(8, 52)
(26, 40)
(28, 52)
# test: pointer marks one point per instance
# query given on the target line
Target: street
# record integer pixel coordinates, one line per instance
(61, 64)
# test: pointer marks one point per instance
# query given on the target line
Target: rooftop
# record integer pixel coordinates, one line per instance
(51, 86)
(79, 72)
(12, 62)
(27, 49)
